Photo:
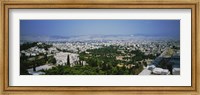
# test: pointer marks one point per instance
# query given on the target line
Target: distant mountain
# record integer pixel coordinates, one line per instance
(93, 37)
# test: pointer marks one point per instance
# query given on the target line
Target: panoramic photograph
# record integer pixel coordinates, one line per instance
(99, 47)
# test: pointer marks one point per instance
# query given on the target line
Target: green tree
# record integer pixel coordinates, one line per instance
(54, 61)
(145, 63)
(34, 66)
(68, 60)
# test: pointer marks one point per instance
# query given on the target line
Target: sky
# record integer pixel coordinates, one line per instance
(100, 27)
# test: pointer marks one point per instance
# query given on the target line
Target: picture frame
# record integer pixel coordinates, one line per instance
(110, 90)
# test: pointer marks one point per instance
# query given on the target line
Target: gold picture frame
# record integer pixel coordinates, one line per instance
(107, 90)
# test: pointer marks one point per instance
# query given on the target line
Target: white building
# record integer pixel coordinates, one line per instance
(61, 58)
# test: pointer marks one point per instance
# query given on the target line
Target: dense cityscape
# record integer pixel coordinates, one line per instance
(129, 55)
(100, 47)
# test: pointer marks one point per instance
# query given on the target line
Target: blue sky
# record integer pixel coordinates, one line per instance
(99, 27)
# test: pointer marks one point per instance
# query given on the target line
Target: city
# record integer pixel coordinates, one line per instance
(100, 47)
(117, 57)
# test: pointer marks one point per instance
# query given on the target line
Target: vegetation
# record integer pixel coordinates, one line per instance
(51, 59)
(108, 60)
(27, 62)
(28, 45)
(103, 61)
(68, 60)
(45, 46)
(85, 70)
(33, 62)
